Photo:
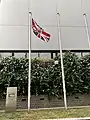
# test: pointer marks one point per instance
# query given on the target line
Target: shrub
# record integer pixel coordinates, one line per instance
(46, 77)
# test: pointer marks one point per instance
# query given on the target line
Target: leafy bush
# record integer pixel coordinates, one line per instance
(46, 77)
(14, 72)
(85, 73)
(71, 72)
(72, 75)
(40, 76)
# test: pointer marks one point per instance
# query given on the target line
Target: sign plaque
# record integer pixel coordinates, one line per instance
(11, 99)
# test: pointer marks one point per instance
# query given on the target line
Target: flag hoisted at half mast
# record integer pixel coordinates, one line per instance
(39, 32)
(43, 35)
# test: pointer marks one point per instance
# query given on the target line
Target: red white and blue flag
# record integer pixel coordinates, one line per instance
(39, 32)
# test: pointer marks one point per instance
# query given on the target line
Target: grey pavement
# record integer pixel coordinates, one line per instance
(86, 118)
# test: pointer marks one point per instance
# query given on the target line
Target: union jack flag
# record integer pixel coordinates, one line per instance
(39, 32)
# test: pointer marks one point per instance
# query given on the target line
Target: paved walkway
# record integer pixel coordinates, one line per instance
(86, 118)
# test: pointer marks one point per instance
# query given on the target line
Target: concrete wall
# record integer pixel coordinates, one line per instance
(14, 23)
(42, 101)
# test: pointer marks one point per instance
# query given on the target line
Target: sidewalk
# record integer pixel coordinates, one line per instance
(86, 118)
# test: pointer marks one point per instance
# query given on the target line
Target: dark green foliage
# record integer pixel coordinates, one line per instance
(55, 80)
(85, 73)
(46, 77)
(40, 76)
(14, 72)
(72, 75)
(71, 72)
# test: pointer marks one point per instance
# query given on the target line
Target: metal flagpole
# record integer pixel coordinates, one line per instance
(29, 40)
(62, 67)
(86, 26)
(86, 23)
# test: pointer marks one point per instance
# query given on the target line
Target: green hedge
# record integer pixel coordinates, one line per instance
(46, 77)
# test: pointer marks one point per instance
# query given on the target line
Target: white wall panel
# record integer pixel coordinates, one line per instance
(14, 23)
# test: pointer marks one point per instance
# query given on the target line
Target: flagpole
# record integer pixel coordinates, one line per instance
(29, 74)
(86, 26)
(62, 67)
(86, 23)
